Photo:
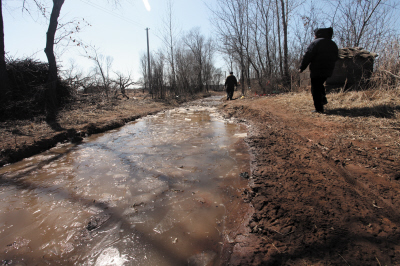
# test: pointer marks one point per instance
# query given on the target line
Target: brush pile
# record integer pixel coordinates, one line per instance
(26, 97)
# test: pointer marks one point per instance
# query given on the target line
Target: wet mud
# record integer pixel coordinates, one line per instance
(318, 199)
(315, 198)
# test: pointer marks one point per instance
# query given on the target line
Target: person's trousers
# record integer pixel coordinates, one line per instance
(229, 92)
(318, 93)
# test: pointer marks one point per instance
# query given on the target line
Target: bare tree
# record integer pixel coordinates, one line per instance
(232, 21)
(102, 68)
(217, 77)
(73, 76)
(368, 24)
(284, 15)
(208, 66)
(157, 75)
(262, 27)
(51, 40)
(51, 90)
(169, 38)
(284, 9)
(196, 42)
(123, 82)
(144, 68)
(186, 70)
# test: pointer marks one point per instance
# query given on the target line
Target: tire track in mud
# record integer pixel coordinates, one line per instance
(310, 205)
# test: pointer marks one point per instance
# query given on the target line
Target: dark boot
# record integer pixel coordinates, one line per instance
(324, 100)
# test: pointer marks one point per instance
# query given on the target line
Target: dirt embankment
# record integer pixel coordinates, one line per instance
(325, 188)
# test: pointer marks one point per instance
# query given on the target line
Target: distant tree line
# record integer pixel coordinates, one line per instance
(264, 40)
(187, 68)
(183, 65)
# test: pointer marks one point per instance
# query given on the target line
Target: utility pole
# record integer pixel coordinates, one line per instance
(148, 61)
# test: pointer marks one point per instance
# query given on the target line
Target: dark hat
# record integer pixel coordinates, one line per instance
(231, 73)
(324, 33)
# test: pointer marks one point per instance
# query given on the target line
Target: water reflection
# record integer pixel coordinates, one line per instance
(155, 192)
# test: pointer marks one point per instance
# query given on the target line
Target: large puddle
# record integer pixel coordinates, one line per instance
(157, 191)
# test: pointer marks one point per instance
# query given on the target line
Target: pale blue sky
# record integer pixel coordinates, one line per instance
(118, 32)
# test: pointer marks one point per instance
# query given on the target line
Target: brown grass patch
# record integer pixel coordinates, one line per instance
(369, 115)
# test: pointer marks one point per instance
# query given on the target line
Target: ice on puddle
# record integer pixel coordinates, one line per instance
(150, 184)
(129, 211)
(110, 257)
(44, 157)
(140, 219)
(166, 224)
(65, 169)
(122, 176)
(95, 209)
(202, 259)
(240, 135)
(142, 199)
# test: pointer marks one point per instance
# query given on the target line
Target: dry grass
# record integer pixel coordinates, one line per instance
(372, 115)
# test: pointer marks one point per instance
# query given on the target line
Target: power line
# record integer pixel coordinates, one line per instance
(112, 13)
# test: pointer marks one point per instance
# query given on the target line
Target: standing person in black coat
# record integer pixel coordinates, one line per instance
(230, 84)
(321, 55)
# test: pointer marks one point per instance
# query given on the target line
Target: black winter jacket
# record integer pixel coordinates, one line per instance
(231, 81)
(321, 55)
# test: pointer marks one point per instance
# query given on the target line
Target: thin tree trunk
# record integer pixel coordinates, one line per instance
(242, 69)
(3, 71)
(173, 85)
(51, 90)
(279, 39)
(285, 42)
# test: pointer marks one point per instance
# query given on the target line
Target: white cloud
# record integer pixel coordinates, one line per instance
(147, 5)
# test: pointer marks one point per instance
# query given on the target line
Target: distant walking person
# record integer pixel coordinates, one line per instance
(230, 84)
(321, 55)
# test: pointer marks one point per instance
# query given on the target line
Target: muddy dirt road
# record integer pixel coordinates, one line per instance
(324, 192)
(324, 188)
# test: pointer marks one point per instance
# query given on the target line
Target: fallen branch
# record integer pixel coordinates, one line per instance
(272, 243)
(344, 260)
(388, 72)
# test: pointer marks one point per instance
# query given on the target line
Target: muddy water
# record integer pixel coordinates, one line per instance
(157, 191)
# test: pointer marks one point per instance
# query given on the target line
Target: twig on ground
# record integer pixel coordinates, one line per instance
(396, 76)
(344, 260)
(378, 261)
(272, 243)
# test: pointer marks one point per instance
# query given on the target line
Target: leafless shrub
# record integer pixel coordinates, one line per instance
(387, 71)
